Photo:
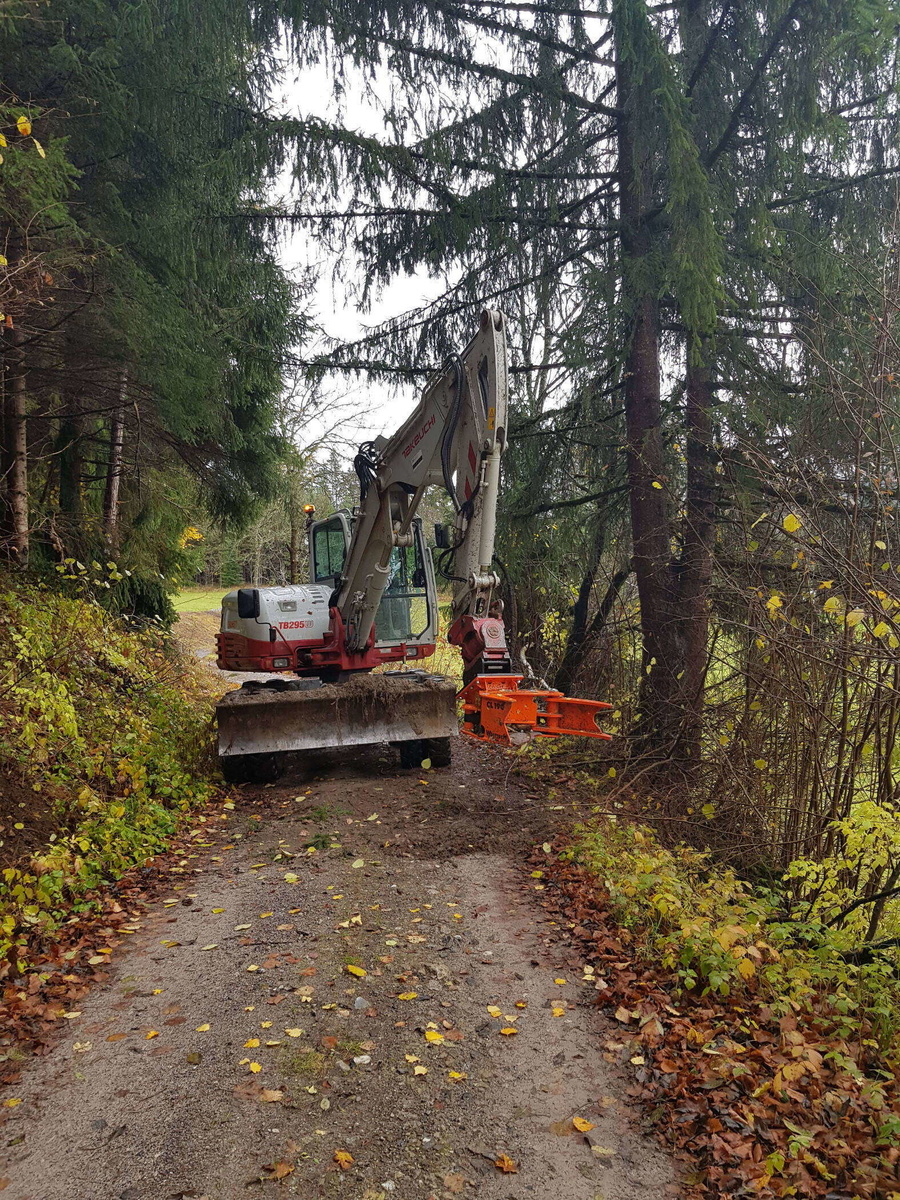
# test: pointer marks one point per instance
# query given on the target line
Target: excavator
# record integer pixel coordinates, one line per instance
(372, 600)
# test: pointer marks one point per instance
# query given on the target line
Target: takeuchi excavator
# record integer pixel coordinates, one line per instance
(372, 600)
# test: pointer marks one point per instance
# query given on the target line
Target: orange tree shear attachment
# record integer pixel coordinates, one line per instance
(495, 708)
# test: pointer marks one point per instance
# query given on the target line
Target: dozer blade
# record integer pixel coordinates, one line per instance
(495, 708)
(287, 715)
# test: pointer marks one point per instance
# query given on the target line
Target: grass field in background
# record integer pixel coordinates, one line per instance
(199, 599)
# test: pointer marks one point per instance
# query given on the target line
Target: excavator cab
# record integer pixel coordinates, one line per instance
(408, 612)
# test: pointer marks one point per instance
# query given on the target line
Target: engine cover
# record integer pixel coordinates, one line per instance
(264, 629)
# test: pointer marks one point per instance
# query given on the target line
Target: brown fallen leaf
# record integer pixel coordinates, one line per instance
(270, 1095)
(279, 1170)
(454, 1183)
(506, 1165)
(582, 1125)
(344, 1159)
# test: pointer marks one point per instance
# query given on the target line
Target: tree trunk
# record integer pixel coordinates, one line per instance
(695, 567)
(14, 544)
(659, 714)
(114, 470)
(565, 676)
(294, 552)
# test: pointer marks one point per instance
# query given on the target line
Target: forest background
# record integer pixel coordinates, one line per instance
(689, 213)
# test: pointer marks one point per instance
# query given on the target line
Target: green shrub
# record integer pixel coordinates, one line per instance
(111, 724)
(717, 933)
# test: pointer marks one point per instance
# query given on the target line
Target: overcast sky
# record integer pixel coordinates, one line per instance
(362, 408)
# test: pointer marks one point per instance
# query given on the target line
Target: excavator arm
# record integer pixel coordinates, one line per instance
(453, 440)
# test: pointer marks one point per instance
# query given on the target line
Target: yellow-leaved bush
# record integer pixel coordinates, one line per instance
(110, 728)
(719, 933)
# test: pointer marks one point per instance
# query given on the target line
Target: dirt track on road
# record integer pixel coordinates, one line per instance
(327, 998)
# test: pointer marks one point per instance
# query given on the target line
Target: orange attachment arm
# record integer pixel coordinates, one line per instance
(495, 708)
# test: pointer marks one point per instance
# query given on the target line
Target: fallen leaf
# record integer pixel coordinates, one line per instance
(270, 1095)
(432, 1036)
(251, 1043)
(12, 1101)
(279, 1170)
(203, 1028)
(558, 1012)
(582, 1125)
(359, 972)
(623, 1014)
(152, 1034)
(358, 863)
(457, 1075)
(295, 1033)
(509, 1030)
(194, 1057)
(343, 1158)
(494, 1010)
(407, 995)
(420, 1070)
(255, 1067)
(454, 1183)
(506, 1165)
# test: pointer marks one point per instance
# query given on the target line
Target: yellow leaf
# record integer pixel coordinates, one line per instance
(854, 617)
(203, 1028)
(253, 967)
(360, 862)
(251, 1043)
(294, 1032)
(407, 995)
(833, 604)
(747, 968)
(558, 1012)
(218, 910)
(343, 1158)
(494, 1010)
(411, 1057)
(4, 261)
(881, 629)
(559, 982)
(432, 1035)
(359, 972)
(255, 1068)
(420, 1070)
(152, 1034)
(509, 1030)
(582, 1125)
(657, 485)
(791, 524)
(3, 142)
(505, 1163)
(24, 126)
(881, 545)
(457, 1075)
(12, 1102)
(270, 1095)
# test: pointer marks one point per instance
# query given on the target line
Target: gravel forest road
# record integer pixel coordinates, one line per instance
(352, 992)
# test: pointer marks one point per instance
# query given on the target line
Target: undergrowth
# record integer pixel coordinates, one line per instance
(719, 934)
(109, 726)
